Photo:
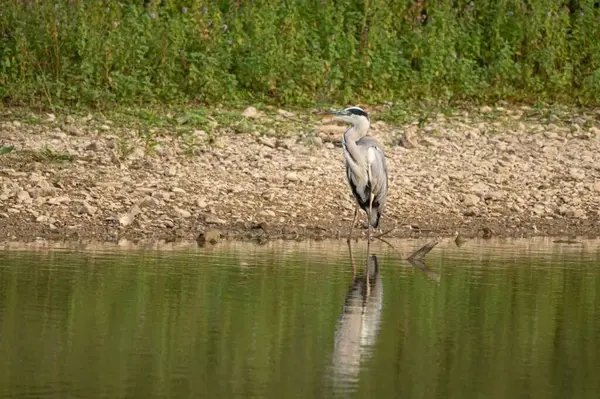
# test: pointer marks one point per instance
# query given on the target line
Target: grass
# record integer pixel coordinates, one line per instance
(298, 53)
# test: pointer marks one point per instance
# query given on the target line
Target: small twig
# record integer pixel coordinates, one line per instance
(424, 250)
(417, 259)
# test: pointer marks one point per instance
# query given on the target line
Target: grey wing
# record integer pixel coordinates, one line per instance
(379, 176)
(379, 172)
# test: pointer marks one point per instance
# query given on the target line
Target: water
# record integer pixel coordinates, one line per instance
(487, 320)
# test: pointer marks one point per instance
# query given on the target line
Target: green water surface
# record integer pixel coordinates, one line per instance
(509, 320)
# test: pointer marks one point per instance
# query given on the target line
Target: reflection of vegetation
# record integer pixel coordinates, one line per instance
(176, 325)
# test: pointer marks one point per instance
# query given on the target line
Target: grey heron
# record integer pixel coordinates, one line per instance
(366, 169)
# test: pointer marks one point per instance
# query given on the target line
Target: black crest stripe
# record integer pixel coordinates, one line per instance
(357, 111)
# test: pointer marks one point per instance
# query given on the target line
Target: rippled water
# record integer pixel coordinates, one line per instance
(490, 319)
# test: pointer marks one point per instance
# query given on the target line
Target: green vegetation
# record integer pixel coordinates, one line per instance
(6, 149)
(298, 53)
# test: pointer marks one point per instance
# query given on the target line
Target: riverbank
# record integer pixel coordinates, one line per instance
(275, 174)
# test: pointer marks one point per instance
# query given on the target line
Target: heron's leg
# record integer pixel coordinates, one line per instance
(352, 261)
(353, 221)
(368, 282)
(369, 225)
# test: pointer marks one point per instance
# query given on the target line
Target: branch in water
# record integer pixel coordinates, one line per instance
(424, 250)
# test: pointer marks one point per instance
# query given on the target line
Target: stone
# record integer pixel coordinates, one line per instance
(87, 208)
(575, 213)
(494, 195)
(24, 197)
(316, 141)
(577, 174)
(170, 171)
(59, 200)
(127, 219)
(149, 202)
(181, 213)
(470, 199)
(292, 176)
(471, 211)
(74, 130)
(267, 213)
(201, 203)
(209, 236)
(268, 141)
(94, 146)
(285, 114)
(211, 219)
(250, 112)
(480, 189)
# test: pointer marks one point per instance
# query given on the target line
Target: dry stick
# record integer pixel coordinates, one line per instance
(417, 257)
(425, 249)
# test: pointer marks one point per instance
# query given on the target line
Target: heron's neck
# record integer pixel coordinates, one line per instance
(351, 136)
(356, 132)
(352, 153)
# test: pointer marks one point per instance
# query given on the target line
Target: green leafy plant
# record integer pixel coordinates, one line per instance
(299, 53)
(6, 149)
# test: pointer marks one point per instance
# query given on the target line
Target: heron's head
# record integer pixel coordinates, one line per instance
(354, 115)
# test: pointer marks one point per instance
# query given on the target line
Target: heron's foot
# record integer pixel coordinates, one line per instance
(380, 233)
(374, 233)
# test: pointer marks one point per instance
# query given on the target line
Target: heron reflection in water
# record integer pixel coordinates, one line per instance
(358, 326)
(359, 323)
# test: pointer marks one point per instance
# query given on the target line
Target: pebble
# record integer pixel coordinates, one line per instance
(23, 196)
(87, 208)
(494, 195)
(470, 199)
(149, 202)
(480, 189)
(525, 167)
(181, 213)
(209, 236)
(292, 176)
(575, 213)
(201, 203)
(250, 112)
(127, 219)
(210, 219)
(471, 211)
(577, 174)
(268, 141)
(267, 213)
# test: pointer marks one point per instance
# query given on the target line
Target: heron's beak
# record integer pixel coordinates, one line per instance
(325, 114)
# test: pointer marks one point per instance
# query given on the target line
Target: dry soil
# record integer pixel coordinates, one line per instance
(507, 172)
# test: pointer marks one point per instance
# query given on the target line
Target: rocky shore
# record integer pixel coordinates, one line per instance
(505, 172)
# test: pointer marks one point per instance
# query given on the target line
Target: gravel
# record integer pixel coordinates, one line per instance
(500, 170)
